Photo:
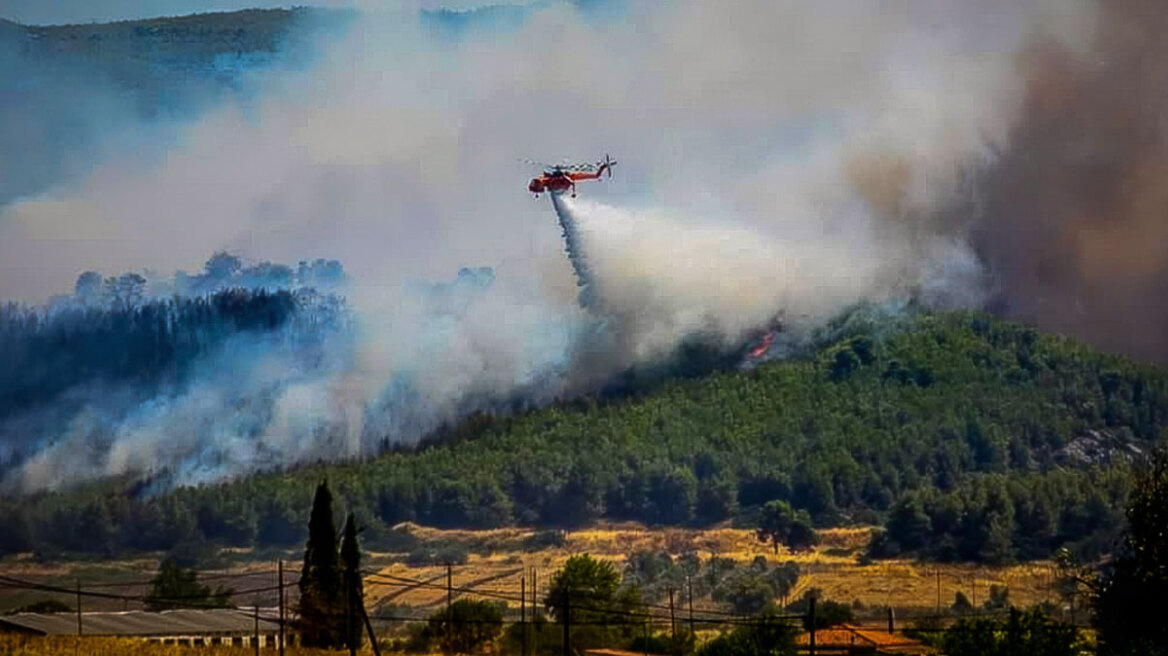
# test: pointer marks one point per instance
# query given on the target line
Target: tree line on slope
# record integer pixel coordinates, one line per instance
(153, 342)
(963, 432)
(81, 364)
(1123, 597)
(598, 607)
(152, 332)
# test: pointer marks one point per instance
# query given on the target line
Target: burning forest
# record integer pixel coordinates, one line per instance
(783, 165)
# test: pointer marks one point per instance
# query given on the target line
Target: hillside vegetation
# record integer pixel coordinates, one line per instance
(172, 64)
(179, 42)
(975, 439)
(77, 94)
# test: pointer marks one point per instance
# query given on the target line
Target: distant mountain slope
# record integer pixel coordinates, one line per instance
(987, 414)
(71, 92)
(134, 51)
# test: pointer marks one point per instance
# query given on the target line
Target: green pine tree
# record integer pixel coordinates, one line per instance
(175, 587)
(1129, 610)
(351, 579)
(321, 605)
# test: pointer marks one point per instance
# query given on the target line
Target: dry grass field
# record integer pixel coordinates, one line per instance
(498, 560)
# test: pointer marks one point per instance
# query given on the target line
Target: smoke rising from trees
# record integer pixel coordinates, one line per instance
(779, 160)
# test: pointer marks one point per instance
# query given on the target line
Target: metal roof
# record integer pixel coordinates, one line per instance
(614, 653)
(857, 638)
(142, 623)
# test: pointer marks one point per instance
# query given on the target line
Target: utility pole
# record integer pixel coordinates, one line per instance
(449, 586)
(891, 621)
(567, 622)
(79, 607)
(672, 621)
(535, 607)
(256, 631)
(811, 621)
(689, 584)
(350, 621)
(280, 573)
(938, 592)
(369, 627)
(449, 601)
(523, 613)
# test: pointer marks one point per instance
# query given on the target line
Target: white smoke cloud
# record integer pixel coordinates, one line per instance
(399, 153)
(776, 158)
(664, 276)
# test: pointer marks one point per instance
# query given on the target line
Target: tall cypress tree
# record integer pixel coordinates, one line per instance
(321, 606)
(351, 579)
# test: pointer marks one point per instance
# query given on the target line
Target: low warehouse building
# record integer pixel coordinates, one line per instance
(221, 626)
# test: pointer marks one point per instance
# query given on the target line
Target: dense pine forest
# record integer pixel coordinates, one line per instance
(968, 437)
(151, 333)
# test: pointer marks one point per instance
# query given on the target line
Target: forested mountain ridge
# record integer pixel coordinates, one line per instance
(180, 43)
(964, 432)
(76, 95)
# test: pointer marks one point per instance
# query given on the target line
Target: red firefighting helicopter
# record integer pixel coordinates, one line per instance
(560, 178)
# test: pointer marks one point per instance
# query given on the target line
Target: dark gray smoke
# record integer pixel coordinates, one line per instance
(1073, 216)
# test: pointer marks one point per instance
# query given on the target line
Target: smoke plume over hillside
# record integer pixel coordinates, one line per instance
(1073, 222)
(779, 162)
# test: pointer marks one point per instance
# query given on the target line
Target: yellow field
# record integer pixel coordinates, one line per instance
(498, 560)
(834, 566)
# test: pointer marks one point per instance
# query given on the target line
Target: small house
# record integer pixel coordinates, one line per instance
(856, 640)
